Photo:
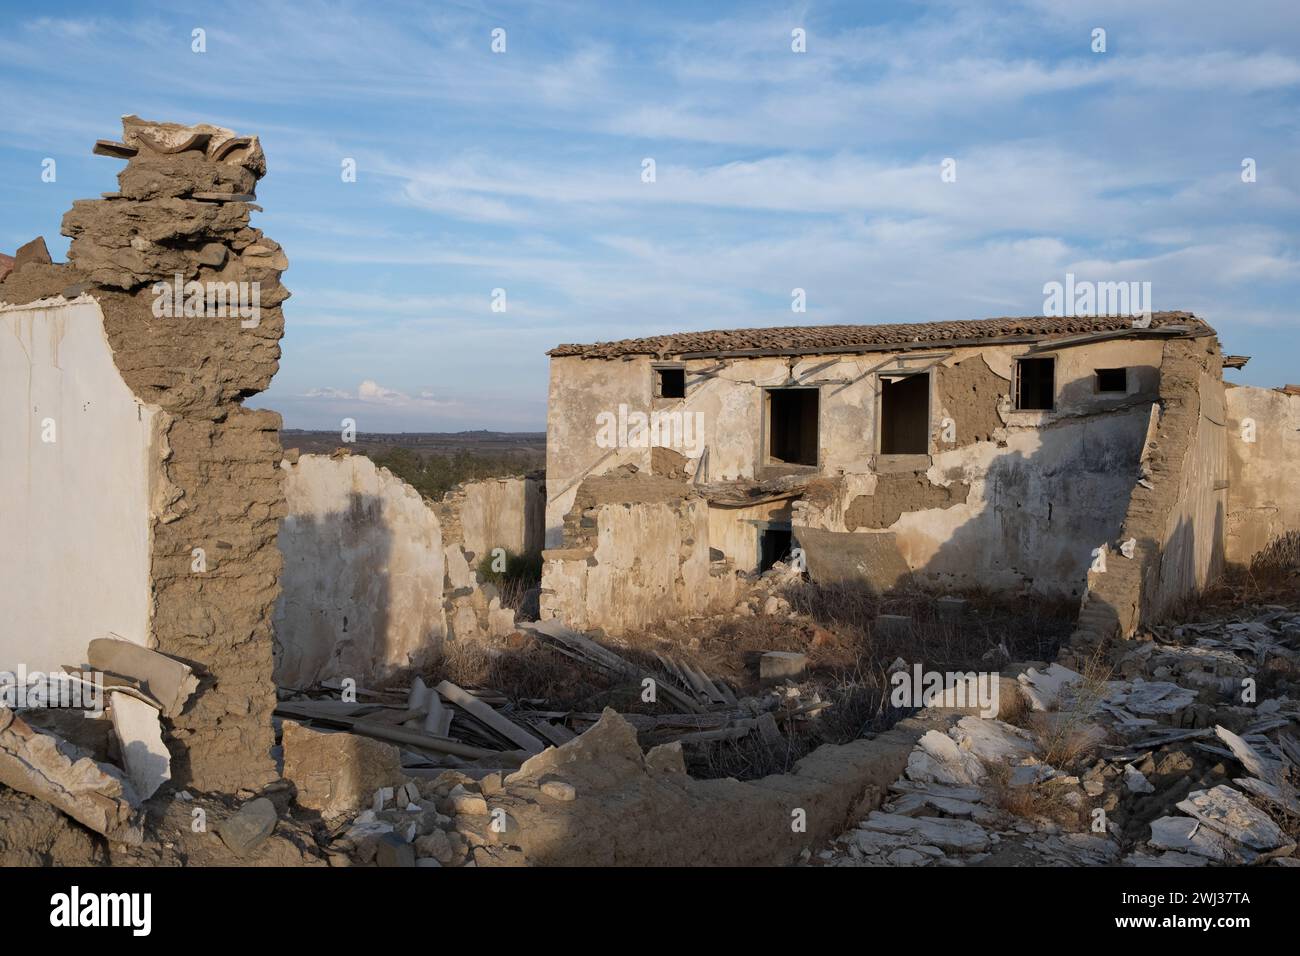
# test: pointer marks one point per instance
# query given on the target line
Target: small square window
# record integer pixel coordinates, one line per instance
(670, 382)
(1036, 384)
(1112, 380)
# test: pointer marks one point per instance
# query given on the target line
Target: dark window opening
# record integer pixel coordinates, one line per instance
(672, 382)
(1036, 384)
(774, 546)
(1112, 380)
(792, 426)
(905, 415)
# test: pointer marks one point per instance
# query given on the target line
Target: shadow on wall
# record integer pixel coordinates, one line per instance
(332, 616)
(1043, 513)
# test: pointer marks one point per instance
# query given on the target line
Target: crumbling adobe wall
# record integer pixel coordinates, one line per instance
(507, 513)
(976, 397)
(1006, 499)
(376, 578)
(1176, 512)
(635, 809)
(635, 563)
(895, 494)
(183, 209)
(1263, 436)
(362, 589)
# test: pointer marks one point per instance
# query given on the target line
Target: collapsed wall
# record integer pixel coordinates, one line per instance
(376, 578)
(1263, 469)
(1174, 525)
(186, 295)
(637, 552)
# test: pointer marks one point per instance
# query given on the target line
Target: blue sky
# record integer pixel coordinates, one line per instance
(774, 170)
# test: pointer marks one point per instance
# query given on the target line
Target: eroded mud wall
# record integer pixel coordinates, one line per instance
(376, 577)
(362, 590)
(190, 297)
(1176, 515)
(634, 564)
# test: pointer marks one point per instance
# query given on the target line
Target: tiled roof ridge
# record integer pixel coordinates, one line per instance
(845, 337)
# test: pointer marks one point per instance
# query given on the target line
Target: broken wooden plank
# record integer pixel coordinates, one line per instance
(400, 735)
(489, 717)
(557, 734)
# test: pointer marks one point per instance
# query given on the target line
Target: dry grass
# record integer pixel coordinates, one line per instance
(1035, 803)
(1272, 577)
(1029, 630)
(848, 664)
(1069, 736)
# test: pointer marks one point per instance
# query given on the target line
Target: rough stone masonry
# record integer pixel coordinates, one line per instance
(191, 301)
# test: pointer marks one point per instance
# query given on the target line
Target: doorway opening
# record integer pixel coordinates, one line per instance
(774, 545)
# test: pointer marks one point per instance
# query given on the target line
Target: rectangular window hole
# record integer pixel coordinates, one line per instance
(671, 382)
(1036, 384)
(1112, 380)
(905, 415)
(792, 425)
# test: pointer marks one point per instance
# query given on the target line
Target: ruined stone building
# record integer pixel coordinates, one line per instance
(1055, 456)
(142, 499)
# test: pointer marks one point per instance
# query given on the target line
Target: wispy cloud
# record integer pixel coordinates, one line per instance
(522, 171)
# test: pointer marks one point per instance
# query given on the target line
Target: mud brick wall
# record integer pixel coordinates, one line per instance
(182, 210)
(1177, 511)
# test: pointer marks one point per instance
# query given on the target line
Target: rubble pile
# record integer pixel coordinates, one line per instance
(1176, 762)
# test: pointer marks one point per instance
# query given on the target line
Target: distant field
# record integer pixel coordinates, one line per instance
(434, 462)
(425, 443)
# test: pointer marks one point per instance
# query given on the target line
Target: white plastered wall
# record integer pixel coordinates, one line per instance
(75, 510)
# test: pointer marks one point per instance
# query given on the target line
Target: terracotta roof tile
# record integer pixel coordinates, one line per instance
(840, 338)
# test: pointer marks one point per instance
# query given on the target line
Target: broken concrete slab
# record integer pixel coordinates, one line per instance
(1186, 835)
(938, 759)
(139, 737)
(1271, 793)
(489, 717)
(1043, 688)
(166, 679)
(1266, 769)
(775, 665)
(337, 773)
(916, 804)
(1135, 781)
(993, 741)
(1230, 813)
(244, 831)
(960, 836)
(1151, 698)
(49, 768)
